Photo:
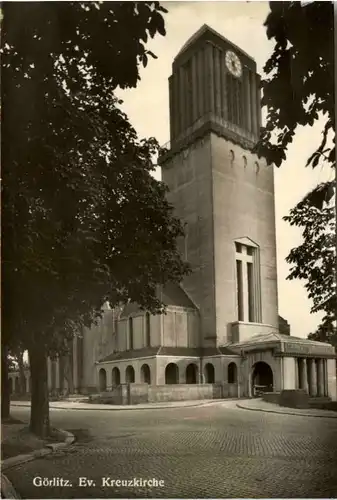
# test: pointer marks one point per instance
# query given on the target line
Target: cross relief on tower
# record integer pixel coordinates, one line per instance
(248, 281)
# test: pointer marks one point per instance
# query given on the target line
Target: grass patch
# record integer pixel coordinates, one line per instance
(9, 450)
(17, 439)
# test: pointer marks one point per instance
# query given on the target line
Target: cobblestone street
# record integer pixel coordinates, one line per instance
(210, 451)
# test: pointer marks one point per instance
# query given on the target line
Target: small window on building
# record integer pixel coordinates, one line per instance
(238, 247)
(130, 346)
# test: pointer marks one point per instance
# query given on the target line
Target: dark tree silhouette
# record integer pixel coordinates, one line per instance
(297, 90)
(83, 219)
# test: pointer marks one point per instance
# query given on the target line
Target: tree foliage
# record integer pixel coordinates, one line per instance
(83, 219)
(297, 90)
(315, 259)
(299, 82)
(80, 204)
(326, 332)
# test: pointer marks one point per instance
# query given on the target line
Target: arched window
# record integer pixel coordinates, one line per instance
(171, 374)
(102, 380)
(232, 373)
(191, 374)
(130, 375)
(116, 376)
(209, 373)
(145, 374)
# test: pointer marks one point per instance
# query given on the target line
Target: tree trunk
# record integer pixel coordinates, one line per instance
(68, 372)
(5, 395)
(39, 414)
(22, 377)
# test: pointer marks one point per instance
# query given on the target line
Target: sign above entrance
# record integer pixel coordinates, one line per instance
(297, 348)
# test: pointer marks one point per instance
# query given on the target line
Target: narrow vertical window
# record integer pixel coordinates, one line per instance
(250, 279)
(239, 287)
(147, 330)
(188, 91)
(235, 100)
(130, 333)
(230, 99)
(240, 105)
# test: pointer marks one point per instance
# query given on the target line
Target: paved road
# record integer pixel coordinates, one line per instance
(212, 451)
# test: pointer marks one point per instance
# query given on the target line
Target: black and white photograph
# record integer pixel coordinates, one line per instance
(168, 249)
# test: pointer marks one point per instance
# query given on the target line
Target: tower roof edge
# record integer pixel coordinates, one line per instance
(201, 31)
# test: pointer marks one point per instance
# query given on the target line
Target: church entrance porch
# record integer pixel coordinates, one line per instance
(262, 378)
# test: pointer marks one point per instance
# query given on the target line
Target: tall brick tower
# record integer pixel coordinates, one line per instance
(221, 191)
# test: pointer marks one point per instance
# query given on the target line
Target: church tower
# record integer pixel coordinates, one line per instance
(221, 191)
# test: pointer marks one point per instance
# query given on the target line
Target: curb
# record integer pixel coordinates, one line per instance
(133, 408)
(242, 407)
(69, 438)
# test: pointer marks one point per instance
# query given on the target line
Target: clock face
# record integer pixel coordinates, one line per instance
(233, 63)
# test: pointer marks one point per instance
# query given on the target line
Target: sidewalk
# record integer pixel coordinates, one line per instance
(246, 404)
(74, 405)
(260, 405)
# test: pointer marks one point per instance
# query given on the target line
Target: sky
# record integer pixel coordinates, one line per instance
(147, 107)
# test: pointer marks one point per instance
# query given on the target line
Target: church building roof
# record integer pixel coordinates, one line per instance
(278, 338)
(174, 295)
(171, 295)
(147, 352)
